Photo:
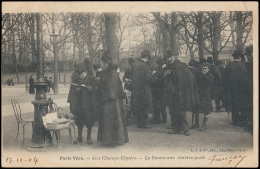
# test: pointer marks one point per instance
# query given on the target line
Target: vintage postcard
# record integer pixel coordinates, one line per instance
(130, 84)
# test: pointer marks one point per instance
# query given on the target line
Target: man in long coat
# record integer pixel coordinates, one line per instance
(141, 92)
(159, 106)
(184, 93)
(237, 85)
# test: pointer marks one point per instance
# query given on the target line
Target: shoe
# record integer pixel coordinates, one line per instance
(174, 132)
(89, 141)
(195, 126)
(80, 139)
(187, 133)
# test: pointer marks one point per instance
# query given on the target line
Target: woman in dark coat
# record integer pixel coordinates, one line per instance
(81, 98)
(31, 86)
(205, 81)
(112, 127)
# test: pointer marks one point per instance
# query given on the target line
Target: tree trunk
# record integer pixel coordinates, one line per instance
(74, 48)
(32, 33)
(232, 28)
(173, 33)
(55, 54)
(21, 41)
(14, 57)
(111, 39)
(239, 32)
(165, 33)
(201, 41)
(39, 44)
(216, 34)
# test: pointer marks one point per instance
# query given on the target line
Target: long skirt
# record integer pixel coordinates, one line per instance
(112, 123)
(31, 89)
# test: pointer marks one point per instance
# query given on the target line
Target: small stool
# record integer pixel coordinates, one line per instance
(57, 134)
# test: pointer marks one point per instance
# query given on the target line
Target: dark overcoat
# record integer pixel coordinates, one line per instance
(237, 82)
(204, 84)
(112, 122)
(216, 86)
(181, 85)
(82, 100)
(141, 92)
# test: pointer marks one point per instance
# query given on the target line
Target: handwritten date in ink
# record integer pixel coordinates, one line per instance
(11, 160)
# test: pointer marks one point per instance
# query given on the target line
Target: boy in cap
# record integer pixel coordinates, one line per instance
(81, 98)
(204, 83)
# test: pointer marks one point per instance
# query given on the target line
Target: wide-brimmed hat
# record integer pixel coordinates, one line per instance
(146, 53)
(80, 68)
(237, 54)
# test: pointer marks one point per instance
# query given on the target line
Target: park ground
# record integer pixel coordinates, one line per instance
(143, 148)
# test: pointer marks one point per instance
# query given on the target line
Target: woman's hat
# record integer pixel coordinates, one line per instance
(80, 68)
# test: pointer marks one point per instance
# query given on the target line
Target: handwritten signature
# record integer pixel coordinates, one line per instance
(10, 160)
(230, 159)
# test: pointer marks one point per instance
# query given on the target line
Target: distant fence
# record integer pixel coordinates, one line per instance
(22, 77)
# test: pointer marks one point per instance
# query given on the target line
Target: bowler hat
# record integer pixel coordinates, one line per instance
(249, 50)
(205, 64)
(202, 60)
(237, 54)
(80, 68)
(146, 53)
(210, 60)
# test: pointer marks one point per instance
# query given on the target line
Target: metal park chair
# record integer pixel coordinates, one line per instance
(53, 107)
(18, 116)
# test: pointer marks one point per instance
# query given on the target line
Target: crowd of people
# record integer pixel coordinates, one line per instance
(193, 87)
(97, 94)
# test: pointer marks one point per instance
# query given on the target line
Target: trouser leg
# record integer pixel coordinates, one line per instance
(184, 122)
(235, 113)
(80, 128)
(164, 114)
(171, 112)
(156, 112)
(217, 101)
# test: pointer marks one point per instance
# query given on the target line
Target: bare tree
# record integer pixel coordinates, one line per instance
(111, 38)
